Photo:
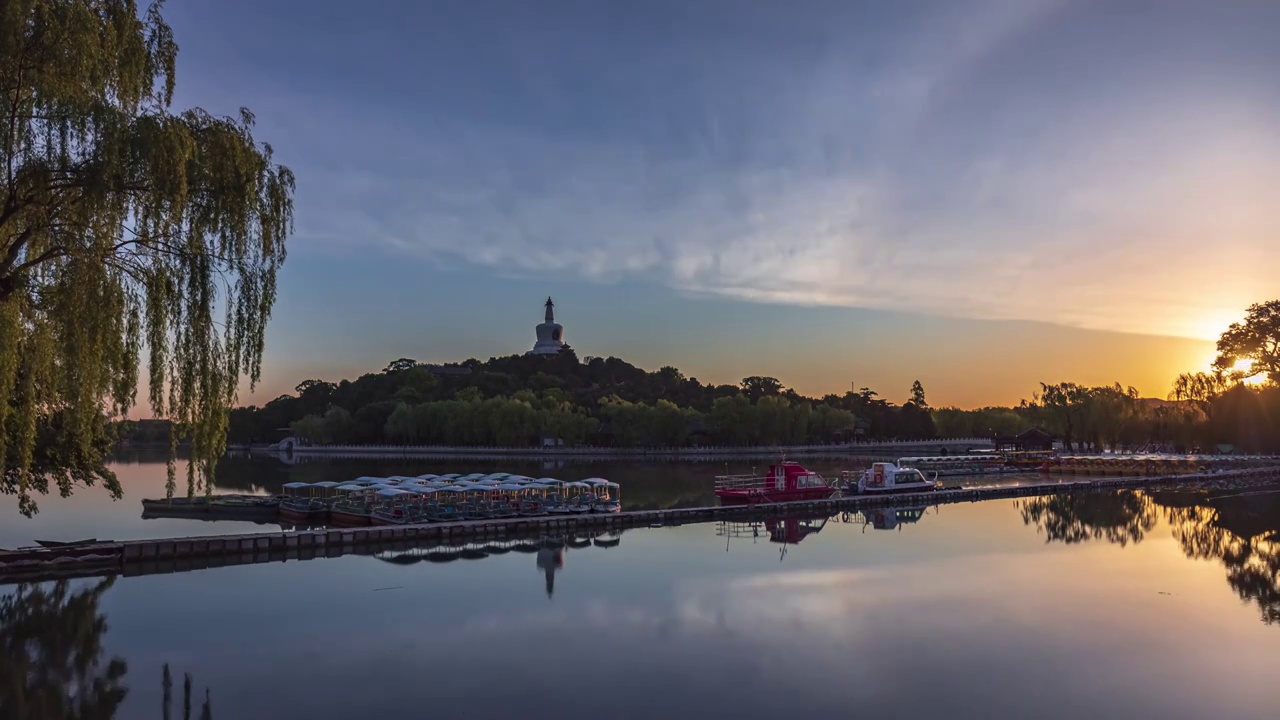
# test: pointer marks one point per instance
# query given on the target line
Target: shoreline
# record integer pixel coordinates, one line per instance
(955, 446)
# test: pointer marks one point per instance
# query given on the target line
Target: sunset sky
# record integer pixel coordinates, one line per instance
(979, 195)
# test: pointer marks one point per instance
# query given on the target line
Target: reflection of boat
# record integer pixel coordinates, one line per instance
(227, 507)
(792, 530)
(889, 518)
(788, 530)
(786, 481)
(884, 478)
(608, 540)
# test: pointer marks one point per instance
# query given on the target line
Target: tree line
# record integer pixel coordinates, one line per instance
(1236, 403)
(525, 400)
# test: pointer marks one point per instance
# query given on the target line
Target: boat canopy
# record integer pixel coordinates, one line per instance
(427, 476)
(548, 480)
(295, 485)
(392, 492)
(577, 484)
(488, 481)
(325, 484)
(609, 483)
(596, 481)
(420, 489)
(368, 479)
(351, 487)
(512, 486)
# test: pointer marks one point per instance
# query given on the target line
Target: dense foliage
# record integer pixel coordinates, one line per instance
(524, 399)
(125, 228)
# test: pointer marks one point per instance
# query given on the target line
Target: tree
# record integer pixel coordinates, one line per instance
(1198, 388)
(917, 396)
(1065, 404)
(1256, 340)
(757, 387)
(399, 365)
(122, 224)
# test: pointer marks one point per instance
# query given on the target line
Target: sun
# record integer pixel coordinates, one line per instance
(1244, 366)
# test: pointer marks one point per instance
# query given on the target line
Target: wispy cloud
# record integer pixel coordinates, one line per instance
(914, 167)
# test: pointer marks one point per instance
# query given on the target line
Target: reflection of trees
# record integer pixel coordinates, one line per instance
(1243, 532)
(206, 708)
(1239, 529)
(1121, 517)
(51, 662)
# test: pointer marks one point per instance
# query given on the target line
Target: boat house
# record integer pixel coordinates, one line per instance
(1034, 439)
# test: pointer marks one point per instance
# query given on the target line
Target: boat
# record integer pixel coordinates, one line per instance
(606, 495)
(958, 465)
(578, 502)
(884, 478)
(226, 507)
(396, 506)
(302, 505)
(785, 482)
(352, 506)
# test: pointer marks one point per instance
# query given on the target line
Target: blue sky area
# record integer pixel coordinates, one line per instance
(978, 194)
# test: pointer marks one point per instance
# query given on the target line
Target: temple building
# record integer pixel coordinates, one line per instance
(550, 334)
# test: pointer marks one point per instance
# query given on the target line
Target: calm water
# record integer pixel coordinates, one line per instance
(91, 513)
(1111, 606)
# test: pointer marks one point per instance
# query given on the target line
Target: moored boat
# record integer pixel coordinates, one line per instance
(303, 504)
(785, 482)
(228, 507)
(883, 478)
(606, 495)
(352, 506)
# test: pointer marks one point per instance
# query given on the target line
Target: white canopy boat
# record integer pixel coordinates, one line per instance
(883, 478)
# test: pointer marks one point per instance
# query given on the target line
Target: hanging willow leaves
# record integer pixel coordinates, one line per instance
(126, 228)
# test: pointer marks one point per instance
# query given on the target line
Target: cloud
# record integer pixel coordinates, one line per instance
(936, 178)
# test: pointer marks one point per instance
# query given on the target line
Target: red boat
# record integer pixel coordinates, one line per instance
(785, 482)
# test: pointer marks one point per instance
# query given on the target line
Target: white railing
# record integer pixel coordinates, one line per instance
(642, 450)
(743, 482)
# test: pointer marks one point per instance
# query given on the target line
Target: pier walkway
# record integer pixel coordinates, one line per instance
(167, 555)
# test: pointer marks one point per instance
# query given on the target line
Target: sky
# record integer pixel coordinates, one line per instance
(980, 195)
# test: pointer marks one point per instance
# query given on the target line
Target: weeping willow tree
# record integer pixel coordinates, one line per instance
(128, 229)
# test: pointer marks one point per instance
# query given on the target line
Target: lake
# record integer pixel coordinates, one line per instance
(1097, 605)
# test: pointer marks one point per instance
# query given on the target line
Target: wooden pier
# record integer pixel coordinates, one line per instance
(140, 557)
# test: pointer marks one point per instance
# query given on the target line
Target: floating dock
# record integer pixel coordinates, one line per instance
(140, 557)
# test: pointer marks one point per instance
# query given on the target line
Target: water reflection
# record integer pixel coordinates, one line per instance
(789, 530)
(1239, 528)
(51, 638)
(166, 683)
(549, 551)
(1117, 517)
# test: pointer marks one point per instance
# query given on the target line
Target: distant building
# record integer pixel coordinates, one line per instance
(550, 334)
(1028, 440)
